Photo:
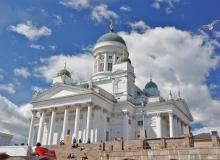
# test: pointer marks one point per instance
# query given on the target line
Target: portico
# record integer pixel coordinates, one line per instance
(165, 124)
(75, 130)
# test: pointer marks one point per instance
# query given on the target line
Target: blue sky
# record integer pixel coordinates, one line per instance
(38, 34)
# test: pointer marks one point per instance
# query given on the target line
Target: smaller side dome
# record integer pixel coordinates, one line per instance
(151, 84)
(64, 72)
(151, 89)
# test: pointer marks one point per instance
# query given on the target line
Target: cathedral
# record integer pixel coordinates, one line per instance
(107, 106)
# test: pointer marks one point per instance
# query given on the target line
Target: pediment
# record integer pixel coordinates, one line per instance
(59, 91)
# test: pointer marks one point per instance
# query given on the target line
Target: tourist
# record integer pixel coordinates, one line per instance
(84, 157)
(82, 148)
(80, 141)
(38, 150)
(62, 142)
(71, 156)
(4, 156)
(88, 141)
(74, 141)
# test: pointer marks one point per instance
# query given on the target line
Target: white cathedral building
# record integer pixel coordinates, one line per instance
(106, 107)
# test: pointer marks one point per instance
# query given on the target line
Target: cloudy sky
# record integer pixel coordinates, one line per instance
(162, 37)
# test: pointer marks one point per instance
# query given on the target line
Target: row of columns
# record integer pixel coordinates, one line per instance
(176, 125)
(64, 128)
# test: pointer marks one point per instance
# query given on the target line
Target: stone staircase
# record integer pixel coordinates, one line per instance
(165, 149)
(92, 151)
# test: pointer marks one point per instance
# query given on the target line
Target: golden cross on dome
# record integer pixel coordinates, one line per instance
(111, 26)
(150, 77)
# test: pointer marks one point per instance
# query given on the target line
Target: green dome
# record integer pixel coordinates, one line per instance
(64, 72)
(150, 84)
(111, 37)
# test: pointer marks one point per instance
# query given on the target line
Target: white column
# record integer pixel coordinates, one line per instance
(104, 124)
(179, 127)
(41, 128)
(52, 121)
(31, 130)
(97, 126)
(76, 126)
(105, 63)
(88, 123)
(159, 127)
(65, 123)
(175, 126)
(148, 125)
(171, 124)
(125, 125)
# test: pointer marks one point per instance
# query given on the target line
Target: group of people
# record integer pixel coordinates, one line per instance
(71, 156)
(76, 145)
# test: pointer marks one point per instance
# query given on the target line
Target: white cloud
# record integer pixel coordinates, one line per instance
(22, 72)
(75, 4)
(139, 26)
(206, 130)
(125, 8)
(31, 31)
(78, 65)
(15, 119)
(217, 34)
(9, 88)
(169, 4)
(37, 46)
(58, 20)
(177, 60)
(101, 13)
(52, 47)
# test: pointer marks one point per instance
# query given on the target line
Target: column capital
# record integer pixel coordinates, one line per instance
(125, 112)
(78, 105)
(53, 109)
(34, 112)
(42, 111)
(158, 114)
(90, 104)
(67, 106)
(171, 114)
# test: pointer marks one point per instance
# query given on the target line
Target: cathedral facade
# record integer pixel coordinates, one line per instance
(107, 106)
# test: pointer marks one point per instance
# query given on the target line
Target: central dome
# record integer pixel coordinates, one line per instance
(111, 36)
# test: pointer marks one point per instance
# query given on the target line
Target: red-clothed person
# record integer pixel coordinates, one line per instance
(40, 151)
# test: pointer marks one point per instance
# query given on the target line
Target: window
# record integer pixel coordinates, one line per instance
(108, 119)
(101, 67)
(109, 66)
(140, 123)
(107, 136)
(129, 122)
(109, 57)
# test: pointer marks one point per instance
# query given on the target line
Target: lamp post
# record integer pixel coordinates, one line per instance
(142, 104)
